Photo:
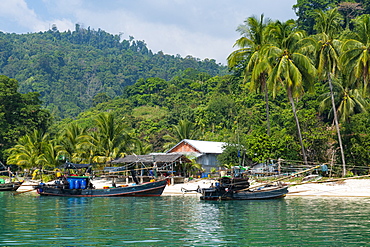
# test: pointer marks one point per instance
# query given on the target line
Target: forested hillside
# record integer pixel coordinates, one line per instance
(290, 95)
(69, 69)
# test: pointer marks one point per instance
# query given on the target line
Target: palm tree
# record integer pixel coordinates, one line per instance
(141, 148)
(71, 140)
(52, 151)
(292, 69)
(348, 98)
(111, 140)
(183, 130)
(29, 151)
(356, 51)
(249, 57)
(327, 59)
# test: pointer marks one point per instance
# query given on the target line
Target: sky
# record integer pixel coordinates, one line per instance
(199, 28)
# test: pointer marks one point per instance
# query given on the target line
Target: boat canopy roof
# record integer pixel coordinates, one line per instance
(150, 159)
(69, 165)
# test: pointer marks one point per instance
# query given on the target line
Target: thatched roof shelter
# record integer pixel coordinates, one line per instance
(164, 162)
(151, 158)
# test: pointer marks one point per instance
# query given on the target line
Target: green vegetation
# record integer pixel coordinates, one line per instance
(289, 95)
(73, 71)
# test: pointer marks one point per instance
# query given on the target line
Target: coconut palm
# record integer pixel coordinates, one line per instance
(253, 64)
(141, 148)
(292, 69)
(71, 140)
(29, 151)
(348, 100)
(327, 59)
(111, 139)
(52, 151)
(356, 52)
(183, 130)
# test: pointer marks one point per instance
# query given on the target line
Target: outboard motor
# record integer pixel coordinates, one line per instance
(133, 174)
(40, 188)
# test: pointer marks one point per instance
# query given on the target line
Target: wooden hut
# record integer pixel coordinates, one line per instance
(205, 152)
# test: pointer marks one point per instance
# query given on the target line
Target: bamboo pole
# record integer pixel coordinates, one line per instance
(137, 169)
(14, 194)
(283, 178)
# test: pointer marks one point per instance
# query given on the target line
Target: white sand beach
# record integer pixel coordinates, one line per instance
(343, 188)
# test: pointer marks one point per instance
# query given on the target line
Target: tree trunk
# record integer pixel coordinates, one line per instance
(337, 126)
(267, 110)
(298, 126)
(265, 89)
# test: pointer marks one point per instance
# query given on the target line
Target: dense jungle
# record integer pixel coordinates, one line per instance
(295, 90)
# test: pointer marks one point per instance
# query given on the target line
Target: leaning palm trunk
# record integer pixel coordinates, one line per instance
(298, 126)
(337, 126)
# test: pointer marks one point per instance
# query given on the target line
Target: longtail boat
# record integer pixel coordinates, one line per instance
(10, 186)
(81, 186)
(238, 189)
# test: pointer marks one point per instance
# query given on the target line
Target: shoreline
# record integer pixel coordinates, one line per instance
(343, 188)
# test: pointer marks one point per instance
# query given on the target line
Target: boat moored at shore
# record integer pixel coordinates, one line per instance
(9, 186)
(81, 186)
(231, 188)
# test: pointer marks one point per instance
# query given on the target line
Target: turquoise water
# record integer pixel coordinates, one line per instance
(30, 220)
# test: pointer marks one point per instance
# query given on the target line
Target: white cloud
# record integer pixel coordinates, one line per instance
(18, 11)
(201, 28)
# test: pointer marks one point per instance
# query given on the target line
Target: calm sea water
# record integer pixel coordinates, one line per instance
(30, 220)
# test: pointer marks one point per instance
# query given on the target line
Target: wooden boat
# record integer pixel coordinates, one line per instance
(10, 186)
(238, 189)
(220, 193)
(81, 186)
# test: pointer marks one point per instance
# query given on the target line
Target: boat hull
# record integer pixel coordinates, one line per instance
(142, 190)
(13, 186)
(220, 194)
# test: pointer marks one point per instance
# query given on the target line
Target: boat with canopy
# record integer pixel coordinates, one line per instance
(82, 186)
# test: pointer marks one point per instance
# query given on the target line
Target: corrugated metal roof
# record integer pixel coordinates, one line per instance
(204, 146)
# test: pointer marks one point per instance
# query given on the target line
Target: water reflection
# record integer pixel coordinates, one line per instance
(182, 221)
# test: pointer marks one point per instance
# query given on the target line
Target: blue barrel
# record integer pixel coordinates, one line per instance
(71, 183)
(40, 190)
(83, 183)
(77, 183)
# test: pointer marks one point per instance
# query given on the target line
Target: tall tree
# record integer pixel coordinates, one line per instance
(327, 59)
(305, 10)
(356, 52)
(350, 11)
(249, 59)
(292, 69)
(348, 99)
(19, 114)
